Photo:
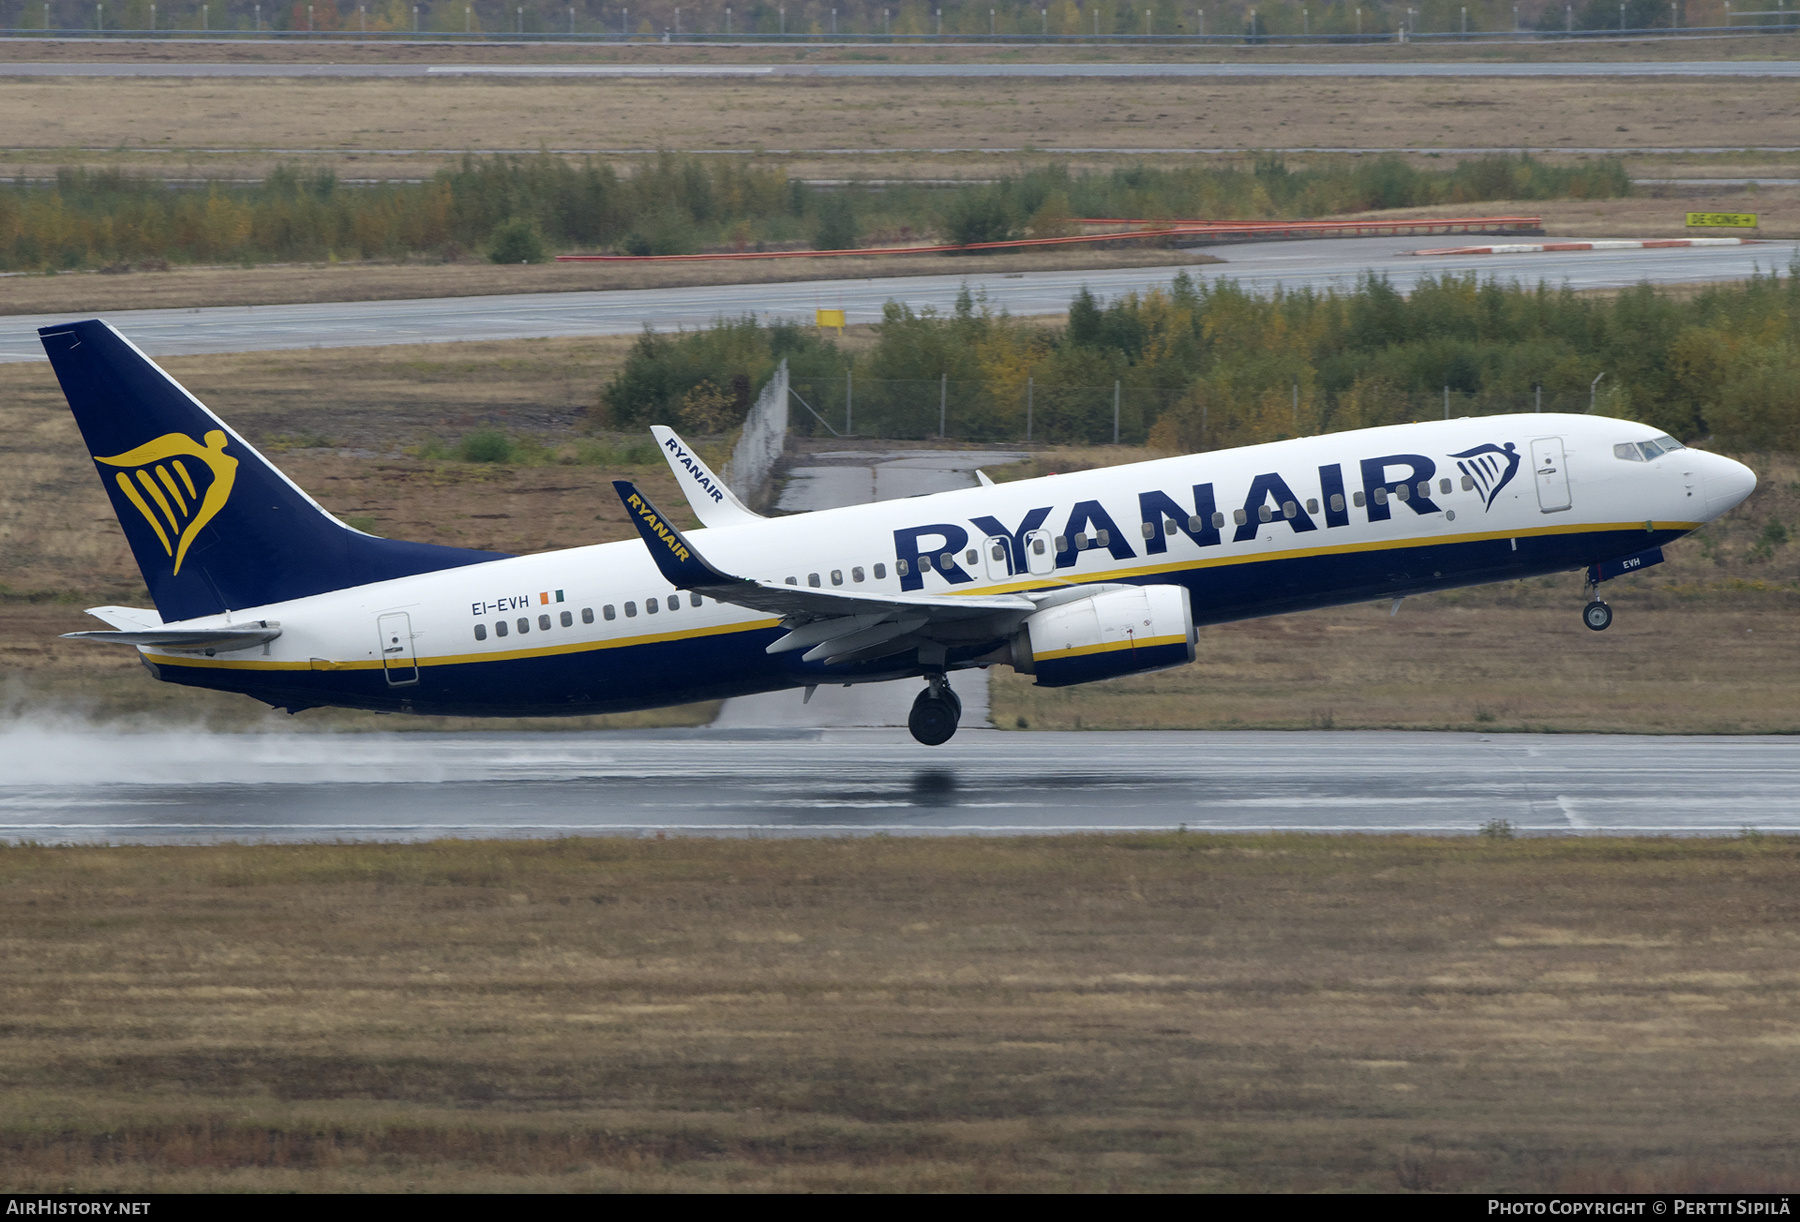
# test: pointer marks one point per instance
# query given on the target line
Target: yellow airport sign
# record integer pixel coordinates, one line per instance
(830, 318)
(1721, 220)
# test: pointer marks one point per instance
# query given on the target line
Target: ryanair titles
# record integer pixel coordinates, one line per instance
(656, 525)
(1410, 479)
(695, 470)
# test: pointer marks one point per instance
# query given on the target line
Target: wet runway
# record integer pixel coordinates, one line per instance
(75, 785)
(1259, 267)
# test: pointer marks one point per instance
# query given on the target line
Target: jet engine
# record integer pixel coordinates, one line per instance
(1122, 631)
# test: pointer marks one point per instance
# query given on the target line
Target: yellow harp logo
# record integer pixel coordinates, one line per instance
(163, 489)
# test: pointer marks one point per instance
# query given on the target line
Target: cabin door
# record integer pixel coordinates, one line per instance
(397, 658)
(1550, 473)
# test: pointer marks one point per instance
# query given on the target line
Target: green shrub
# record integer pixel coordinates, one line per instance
(836, 229)
(487, 445)
(517, 241)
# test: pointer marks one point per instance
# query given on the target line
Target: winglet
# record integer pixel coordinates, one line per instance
(713, 503)
(681, 566)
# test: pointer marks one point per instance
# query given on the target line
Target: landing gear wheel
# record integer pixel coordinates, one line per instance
(934, 716)
(1597, 615)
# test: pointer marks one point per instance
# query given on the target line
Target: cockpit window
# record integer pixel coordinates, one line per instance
(1644, 451)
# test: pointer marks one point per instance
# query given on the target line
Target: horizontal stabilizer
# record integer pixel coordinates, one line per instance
(189, 640)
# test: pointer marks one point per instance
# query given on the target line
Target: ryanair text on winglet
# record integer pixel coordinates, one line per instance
(655, 523)
(694, 469)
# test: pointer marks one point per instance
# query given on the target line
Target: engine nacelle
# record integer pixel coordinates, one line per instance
(1114, 632)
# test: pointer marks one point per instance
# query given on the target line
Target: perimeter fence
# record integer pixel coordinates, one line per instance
(1192, 418)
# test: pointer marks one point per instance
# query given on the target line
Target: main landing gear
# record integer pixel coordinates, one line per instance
(935, 713)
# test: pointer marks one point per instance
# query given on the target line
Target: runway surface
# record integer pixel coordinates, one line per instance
(73, 785)
(1708, 68)
(1259, 266)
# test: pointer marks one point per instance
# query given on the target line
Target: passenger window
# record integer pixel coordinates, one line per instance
(837, 577)
(1468, 483)
(1358, 498)
(544, 623)
(608, 612)
(1337, 502)
(650, 607)
(900, 567)
(1403, 492)
(856, 573)
(1312, 505)
(924, 564)
(481, 632)
(630, 610)
(1239, 516)
(1037, 547)
(946, 561)
(999, 550)
(971, 556)
(1104, 539)
(524, 625)
(793, 581)
(1194, 523)
(1381, 496)
(812, 579)
(674, 602)
(1150, 529)
(1081, 543)
(587, 615)
(693, 600)
(1218, 521)
(1424, 490)
(1263, 514)
(1289, 509)
(500, 628)
(881, 570)
(1444, 486)
(1062, 543)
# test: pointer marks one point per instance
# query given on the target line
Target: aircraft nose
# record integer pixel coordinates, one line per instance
(1728, 482)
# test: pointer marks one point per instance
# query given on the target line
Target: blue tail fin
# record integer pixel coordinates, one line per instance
(213, 525)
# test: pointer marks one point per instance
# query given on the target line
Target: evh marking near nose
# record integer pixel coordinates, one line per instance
(1069, 578)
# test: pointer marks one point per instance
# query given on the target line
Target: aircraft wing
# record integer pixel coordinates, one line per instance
(712, 502)
(832, 625)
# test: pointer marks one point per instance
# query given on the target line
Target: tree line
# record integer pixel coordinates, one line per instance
(1206, 364)
(865, 18)
(521, 208)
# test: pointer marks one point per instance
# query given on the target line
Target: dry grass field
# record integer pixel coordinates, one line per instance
(357, 121)
(1707, 643)
(1085, 1013)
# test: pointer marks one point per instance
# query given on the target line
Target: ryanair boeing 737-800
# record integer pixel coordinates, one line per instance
(1070, 578)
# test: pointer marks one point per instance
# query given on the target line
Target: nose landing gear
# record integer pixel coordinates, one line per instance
(1596, 615)
(935, 713)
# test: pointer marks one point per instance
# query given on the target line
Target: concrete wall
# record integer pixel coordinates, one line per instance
(759, 446)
